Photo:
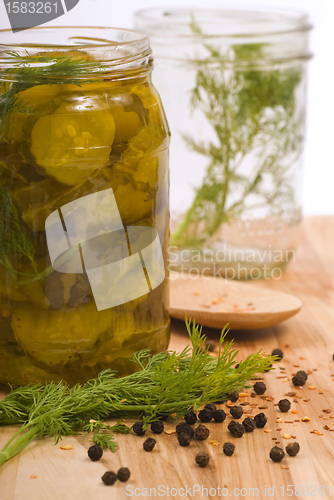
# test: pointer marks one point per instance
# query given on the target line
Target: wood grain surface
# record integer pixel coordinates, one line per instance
(307, 341)
(214, 302)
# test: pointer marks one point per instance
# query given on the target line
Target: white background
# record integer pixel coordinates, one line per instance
(319, 162)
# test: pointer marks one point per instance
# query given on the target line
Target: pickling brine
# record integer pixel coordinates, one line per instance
(83, 155)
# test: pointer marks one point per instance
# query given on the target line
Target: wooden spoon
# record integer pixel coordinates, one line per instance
(214, 302)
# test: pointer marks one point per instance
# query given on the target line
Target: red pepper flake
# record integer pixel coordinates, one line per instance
(33, 476)
(279, 429)
(306, 400)
(263, 407)
(327, 428)
(327, 410)
(301, 357)
(295, 400)
(290, 394)
(270, 398)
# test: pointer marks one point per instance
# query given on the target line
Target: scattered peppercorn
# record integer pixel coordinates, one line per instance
(219, 416)
(190, 418)
(236, 429)
(95, 452)
(211, 406)
(202, 459)
(292, 449)
(228, 449)
(210, 345)
(109, 478)
(284, 405)
(222, 398)
(149, 444)
(249, 424)
(259, 388)
(184, 439)
(236, 411)
(276, 454)
(201, 432)
(205, 415)
(123, 474)
(237, 366)
(184, 428)
(138, 428)
(157, 427)
(162, 416)
(300, 378)
(233, 396)
(277, 352)
(260, 420)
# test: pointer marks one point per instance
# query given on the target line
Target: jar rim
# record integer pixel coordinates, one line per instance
(222, 21)
(134, 41)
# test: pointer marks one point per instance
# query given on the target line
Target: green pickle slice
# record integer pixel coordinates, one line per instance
(75, 140)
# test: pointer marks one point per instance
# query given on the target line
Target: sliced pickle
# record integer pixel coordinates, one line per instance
(72, 141)
(53, 339)
(29, 99)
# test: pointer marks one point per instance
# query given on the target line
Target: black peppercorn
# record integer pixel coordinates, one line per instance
(236, 429)
(219, 416)
(184, 439)
(233, 396)
(205, 415)
(109, 478)
(260, 420)
(236, 411)
(237, 366)
(149, 444)
(184, 428)
(138, 428)
(95, 452)
(211, 406)
(210, 345)
(222, 398)
(201, 432)
(249, 424)
(277, 352)
(300, 378)
(259, 388)
(276, 454)
(284, 405)
(123, 474)
(157, 427)
(162, 416)
(228, 449)
(190, 418)
(292, 449)
(202, 459)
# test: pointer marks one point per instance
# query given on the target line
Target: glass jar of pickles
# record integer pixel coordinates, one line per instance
(83, 204)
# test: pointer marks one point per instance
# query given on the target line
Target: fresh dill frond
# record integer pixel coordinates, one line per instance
(105, 440)
(29, 71)
(168, 383)
(13, 241)
(251, 111)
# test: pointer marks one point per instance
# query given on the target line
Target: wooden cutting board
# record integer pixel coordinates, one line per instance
(307, 340)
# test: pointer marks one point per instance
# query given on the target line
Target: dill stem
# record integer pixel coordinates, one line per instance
(17, 444)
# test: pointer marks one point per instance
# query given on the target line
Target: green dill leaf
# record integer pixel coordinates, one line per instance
(250, 110)
(168, 383)
(105, 440)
